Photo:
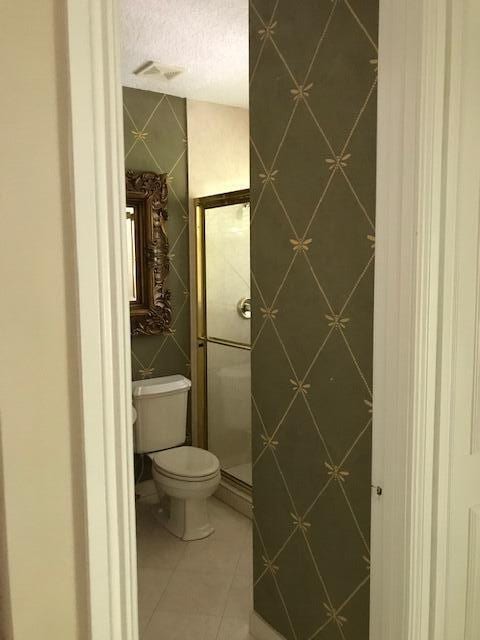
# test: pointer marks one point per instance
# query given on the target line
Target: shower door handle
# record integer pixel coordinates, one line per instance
(244, 307)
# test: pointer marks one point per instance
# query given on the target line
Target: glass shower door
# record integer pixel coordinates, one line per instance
(226, 339)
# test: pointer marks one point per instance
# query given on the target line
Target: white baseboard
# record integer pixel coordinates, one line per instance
(235, 498)
(261, 630)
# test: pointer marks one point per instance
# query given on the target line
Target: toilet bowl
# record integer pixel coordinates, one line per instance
(185, 477)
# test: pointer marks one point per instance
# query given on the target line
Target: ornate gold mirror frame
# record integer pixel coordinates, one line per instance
(150, 310)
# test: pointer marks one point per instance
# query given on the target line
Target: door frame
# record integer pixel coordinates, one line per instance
(418, 128)
(410, 443)
(98, 202)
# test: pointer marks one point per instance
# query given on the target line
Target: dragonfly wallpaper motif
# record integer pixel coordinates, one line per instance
(313, 80)
(155, 140)
(155, 126)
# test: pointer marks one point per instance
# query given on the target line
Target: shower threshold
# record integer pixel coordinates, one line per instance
(235, 491)
(242, 472)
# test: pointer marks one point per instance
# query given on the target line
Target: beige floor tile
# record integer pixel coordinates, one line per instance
(145, 510)
(156, 547)
(249, 538)
(151, 585)
(146, 490)
(229, 524)
(245, 562)
(161, 551)
(168, 625)
(197, 593)
(234, 629)
(210, 555)
(185, 588)
(240, 599)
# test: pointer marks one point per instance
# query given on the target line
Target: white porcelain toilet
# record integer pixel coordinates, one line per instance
(184, 476)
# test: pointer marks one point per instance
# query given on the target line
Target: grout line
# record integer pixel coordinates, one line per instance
(173, 571)
(234, 574)
(228, 595)
(158, 602)
(220, 617)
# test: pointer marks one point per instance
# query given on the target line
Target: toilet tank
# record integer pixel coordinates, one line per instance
(161, 405)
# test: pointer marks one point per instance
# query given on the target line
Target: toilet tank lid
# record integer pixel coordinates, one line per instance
(156, 386)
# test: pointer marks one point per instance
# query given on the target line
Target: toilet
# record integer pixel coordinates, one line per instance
(184, 476)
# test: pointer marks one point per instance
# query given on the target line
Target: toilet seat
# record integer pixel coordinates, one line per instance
(190, 464)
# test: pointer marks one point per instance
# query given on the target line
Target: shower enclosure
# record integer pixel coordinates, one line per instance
(223, 331)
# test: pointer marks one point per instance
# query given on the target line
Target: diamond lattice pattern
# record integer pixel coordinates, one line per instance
(313, 78)
(156, 140)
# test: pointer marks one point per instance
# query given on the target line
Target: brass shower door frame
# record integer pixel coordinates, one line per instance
(202, 204)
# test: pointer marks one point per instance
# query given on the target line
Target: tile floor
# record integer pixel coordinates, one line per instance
(199, 590)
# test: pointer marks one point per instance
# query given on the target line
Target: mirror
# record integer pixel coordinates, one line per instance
(131, 254)
(147, 253)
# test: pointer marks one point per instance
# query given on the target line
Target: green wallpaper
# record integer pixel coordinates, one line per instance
(155, 132)
(313, 145)
(155, 128)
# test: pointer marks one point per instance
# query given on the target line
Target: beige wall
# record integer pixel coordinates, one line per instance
(218, 148)
(39, 415)
(218, 162)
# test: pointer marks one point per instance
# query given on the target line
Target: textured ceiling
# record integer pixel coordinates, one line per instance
(209, 38)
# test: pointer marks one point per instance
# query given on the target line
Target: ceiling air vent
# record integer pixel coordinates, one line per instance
(155, 68)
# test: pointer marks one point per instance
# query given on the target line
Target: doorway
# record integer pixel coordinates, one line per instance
(185, 138)
(396, 164)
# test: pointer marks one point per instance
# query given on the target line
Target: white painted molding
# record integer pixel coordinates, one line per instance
(453, 613)
(261, 630)
(411, 122)
(103, 324)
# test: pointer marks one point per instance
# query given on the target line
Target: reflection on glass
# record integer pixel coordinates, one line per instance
(228, 313)
(229, 409)
(131, 254)
(227, 272)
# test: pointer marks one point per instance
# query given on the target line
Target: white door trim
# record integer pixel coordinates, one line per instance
(413, 40)
(453, 610)
(103, 322)
(412, 117)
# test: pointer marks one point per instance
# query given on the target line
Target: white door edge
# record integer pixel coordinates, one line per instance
(410, 217)
(97, 183)
(456, 576)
